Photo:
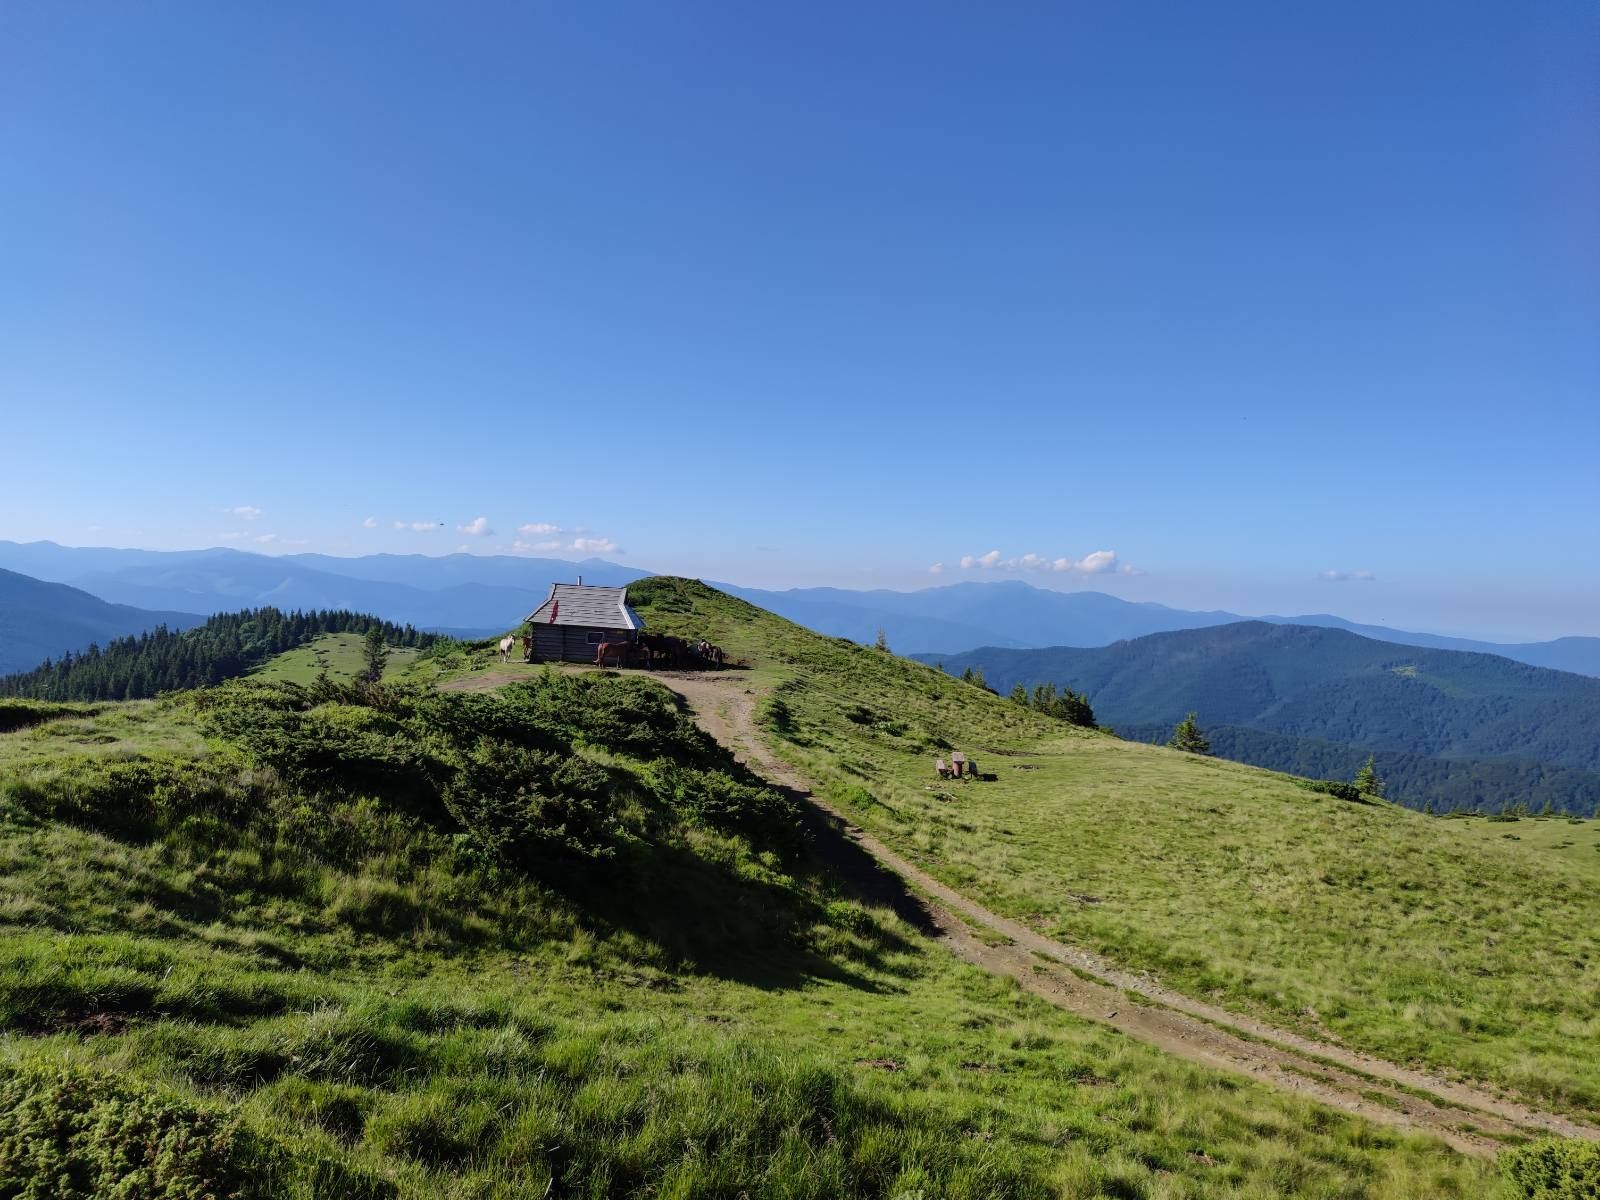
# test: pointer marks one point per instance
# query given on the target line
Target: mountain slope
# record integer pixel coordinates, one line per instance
(40, 620)
(1408, 704)
(1407, 935)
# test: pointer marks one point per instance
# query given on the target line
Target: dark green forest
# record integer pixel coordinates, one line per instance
(1452, 729)
(163, 660)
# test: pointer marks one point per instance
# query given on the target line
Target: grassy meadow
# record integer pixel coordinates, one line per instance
(272, 940)
(339, 654)
(1469, 946)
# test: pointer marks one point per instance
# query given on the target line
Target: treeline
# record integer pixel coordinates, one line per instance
(1440, 785)
(161, 660)
(1063, 703)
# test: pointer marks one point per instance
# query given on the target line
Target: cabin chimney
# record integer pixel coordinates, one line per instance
(580, 580)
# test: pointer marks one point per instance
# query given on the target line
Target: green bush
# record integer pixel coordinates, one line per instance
(66, 1135)
(1332, 787)
(1553, 1170)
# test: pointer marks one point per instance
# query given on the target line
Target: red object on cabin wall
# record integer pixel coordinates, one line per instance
(554, 609)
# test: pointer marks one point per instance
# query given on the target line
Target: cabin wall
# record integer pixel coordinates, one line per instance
(572, 643)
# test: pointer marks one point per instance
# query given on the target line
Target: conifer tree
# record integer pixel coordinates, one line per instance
(1367, 780)
(375, 654)
(1188, 738)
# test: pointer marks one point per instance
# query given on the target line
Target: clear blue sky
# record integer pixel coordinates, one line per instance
(1244, 294)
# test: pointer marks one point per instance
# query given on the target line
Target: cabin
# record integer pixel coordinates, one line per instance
(577, 618)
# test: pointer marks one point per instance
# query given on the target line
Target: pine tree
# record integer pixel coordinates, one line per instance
(1188, 738)
(375, 654)
(1019, 695)
(1367, 781)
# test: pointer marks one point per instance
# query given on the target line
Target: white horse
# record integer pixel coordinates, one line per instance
(507, 644)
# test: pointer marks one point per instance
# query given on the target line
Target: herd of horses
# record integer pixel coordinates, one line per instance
(649, 650)
(659, 650)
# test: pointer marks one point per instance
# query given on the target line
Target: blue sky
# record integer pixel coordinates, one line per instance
(1287, 307)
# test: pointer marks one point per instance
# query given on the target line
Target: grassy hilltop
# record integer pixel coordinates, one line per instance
(276, 940)
(1470, 946)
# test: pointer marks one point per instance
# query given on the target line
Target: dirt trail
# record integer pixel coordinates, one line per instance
(1470, 1119)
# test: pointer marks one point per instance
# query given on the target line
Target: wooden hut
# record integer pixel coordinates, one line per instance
(576, 619)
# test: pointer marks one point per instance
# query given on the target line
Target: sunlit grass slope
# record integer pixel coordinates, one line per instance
(279, 941)
(339, 654)
(1471, 946)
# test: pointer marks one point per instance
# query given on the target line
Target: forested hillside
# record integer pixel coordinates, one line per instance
(164, 660)
(1451, 728)
(39, 620)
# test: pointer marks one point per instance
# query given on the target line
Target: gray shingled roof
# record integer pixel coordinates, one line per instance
(591, 607)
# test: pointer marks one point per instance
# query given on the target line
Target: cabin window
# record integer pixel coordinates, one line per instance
(596, 638)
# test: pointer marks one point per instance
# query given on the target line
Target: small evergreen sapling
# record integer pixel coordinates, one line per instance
(1367, 779)
(1188, 738)
(375, 653)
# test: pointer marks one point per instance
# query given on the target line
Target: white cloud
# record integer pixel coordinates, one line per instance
(521, 547)
(595, 545)
(1098, 562)
(370, 523)
(477, 527)
(248, 511)
(232, 535)
(936, 569)
(264, 538)
(419, 526)
(275, 539)
(538, 529)
(1347, 576)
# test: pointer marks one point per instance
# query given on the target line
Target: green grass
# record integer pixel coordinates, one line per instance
(1470, 946)
(321, 955)
(339, 654)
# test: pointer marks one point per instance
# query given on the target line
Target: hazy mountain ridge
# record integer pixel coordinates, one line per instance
(467, 594)
(1014, 614)
(40, 620)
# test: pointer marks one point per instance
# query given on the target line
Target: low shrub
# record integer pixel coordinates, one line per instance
(1552, 1169)
(1332, 787)
(66, 1135)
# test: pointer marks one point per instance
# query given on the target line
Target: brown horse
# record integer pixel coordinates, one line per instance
(623, 652)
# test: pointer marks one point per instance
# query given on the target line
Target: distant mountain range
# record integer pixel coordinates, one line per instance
(1014, 614)
(466, 595)
(41, 620)
(473, 595)
(1450, 727)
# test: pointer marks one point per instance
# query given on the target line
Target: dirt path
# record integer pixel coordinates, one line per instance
(1468, 1118)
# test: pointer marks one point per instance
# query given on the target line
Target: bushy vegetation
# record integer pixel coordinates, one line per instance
(224, 647)
(1553, 1170)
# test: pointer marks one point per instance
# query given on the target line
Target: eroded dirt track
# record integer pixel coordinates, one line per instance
(1471, 1119)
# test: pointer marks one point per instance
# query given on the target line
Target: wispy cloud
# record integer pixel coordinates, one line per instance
(521, 547)
(370, 523)
(419, 526)
(1334, 576)
(274, 539)
(595, 545)
(248, 511)
(477, 527)
(538, 529)
(1096, 562)
(936, 569)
